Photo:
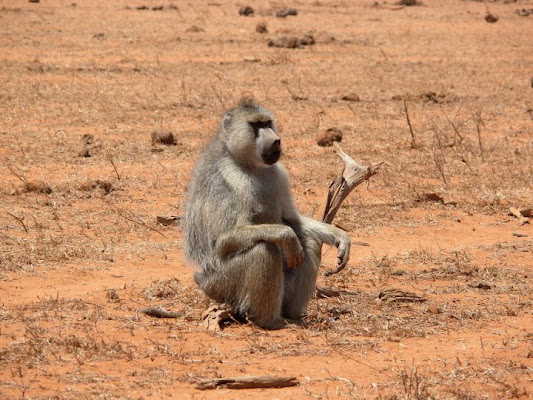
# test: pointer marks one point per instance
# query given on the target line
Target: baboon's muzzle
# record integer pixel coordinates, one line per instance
(273, 153)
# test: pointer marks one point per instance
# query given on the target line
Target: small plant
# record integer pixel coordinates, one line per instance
(414, 384)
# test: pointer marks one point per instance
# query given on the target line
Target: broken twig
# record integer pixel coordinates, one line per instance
(351, 176)
(160, 312)
(326, 292)
(392, 295)
(247, 382)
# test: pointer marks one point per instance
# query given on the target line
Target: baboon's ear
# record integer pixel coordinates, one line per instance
(227, 120)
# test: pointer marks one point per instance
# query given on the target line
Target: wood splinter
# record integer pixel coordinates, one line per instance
(352, 175)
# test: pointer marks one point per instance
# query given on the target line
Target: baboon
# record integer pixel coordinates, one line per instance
(256, 252)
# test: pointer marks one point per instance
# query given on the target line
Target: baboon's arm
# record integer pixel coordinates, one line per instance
(325, 233)
(243, 238)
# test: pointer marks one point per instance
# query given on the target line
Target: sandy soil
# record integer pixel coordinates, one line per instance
(83, 86)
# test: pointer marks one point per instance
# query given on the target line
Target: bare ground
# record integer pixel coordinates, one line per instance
(84, 85)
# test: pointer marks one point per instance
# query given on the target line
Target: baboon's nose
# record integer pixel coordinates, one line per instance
(276, 146)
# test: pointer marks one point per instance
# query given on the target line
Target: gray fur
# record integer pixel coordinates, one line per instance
(256, 252)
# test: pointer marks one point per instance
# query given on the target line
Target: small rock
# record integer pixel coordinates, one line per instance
(326, 137)
(261, 27)
(431, 196)
(89, 144)
(351, 97)
(112, 295)
(88, 186)
(163, 137)
(524, 12)
(433, 309)
(491, 18)
(85, 152)
(284, 41)
(246, 11)
(409, 3)
(292, 43)
(307, 40)
(284, 12)
(429, 96)
(251, 59)
(87, 138)
(433, 96)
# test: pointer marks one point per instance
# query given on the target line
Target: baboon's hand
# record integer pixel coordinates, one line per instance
(292, 249)
(343, 252)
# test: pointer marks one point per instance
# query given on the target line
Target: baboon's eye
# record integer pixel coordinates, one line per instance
(256, 125)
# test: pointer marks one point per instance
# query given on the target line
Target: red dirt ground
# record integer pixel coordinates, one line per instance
(83, 86)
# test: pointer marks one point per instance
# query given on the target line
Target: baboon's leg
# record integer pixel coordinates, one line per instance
(299, 283)
(213, 285)
(261, 292)
(252, 282)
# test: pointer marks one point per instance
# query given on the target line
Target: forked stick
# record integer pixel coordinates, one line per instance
(352, 175)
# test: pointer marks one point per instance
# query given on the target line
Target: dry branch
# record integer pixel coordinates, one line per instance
(19, 220)
(160, 312)
(408, 120)
(247, 382)
(351, 176)
(112, 161)
(392, 295)
(127, 215)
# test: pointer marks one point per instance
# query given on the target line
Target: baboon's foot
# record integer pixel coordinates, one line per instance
(280, 323)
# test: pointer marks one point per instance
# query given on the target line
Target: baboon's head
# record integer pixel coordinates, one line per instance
(250, 135)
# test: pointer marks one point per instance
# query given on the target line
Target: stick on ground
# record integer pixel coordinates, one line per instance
(247, 382)
(325, 292)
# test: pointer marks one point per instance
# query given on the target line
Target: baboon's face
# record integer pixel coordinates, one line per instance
(267, 142)
(250, 136)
